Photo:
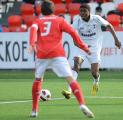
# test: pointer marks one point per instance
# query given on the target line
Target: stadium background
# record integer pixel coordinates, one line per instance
(17, 16)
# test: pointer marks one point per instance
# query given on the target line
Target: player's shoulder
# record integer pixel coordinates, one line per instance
(37, 19)
(95, 16)
(57, 18)
(61, 19)
(47, 17)
(76, 18)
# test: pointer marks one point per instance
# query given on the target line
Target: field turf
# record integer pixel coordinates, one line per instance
(15, 96)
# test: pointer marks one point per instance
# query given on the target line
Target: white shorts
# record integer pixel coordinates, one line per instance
(59, 65)
(93, 58)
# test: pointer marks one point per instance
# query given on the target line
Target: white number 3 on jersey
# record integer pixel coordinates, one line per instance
(46, 28)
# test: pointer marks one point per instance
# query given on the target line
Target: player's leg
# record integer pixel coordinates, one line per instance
(94, 59)
(36, 88)
(41, 66)
(62, 68)
(77, 65)
(96, 77)
(76, 90)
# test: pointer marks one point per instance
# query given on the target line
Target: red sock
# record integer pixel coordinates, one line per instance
(76, 89)
(36, 87)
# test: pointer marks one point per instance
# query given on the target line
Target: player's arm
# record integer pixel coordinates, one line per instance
(111, 29)
(33, 37)
(74, 25)
(77, 40)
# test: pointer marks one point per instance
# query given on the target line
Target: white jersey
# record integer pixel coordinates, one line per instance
(91, 31)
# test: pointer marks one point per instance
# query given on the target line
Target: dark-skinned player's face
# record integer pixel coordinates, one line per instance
(84, 13)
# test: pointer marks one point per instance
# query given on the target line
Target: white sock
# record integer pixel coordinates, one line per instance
(96, 80)
(83, 106)
(69, 89)
(75, 74)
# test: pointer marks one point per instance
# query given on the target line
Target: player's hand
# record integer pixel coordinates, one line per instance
(89, 52)
(31, 50)
(118, 44)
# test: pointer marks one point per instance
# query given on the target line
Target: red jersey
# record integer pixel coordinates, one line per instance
(46, 34)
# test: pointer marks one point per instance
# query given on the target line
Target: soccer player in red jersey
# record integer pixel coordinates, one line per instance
(46, 41)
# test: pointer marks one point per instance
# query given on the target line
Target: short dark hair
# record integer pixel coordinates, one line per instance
(47, 7)
(84, 5)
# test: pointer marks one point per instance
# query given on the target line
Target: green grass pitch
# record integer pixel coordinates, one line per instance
(16, 86)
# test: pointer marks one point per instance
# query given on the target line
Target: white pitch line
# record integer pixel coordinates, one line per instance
(89, 97)
(10, 102)
(104, 97)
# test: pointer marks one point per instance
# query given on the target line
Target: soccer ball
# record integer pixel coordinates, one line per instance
(45, 95)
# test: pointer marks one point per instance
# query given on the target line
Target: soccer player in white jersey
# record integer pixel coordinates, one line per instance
(89, 28)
